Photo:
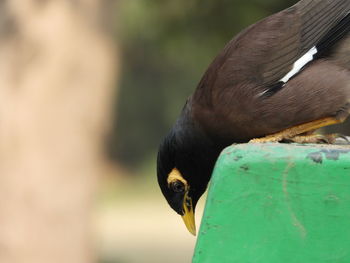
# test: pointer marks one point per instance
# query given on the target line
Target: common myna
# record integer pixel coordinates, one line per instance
(279, 79)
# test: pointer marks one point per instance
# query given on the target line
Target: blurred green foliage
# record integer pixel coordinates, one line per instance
(166, 46)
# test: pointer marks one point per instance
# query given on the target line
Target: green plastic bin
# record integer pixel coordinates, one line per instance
(277, 203)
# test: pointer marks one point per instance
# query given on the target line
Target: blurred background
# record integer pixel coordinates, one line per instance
(87, 90)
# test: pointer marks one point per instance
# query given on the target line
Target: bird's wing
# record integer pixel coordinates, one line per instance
(264, 54)
(309, 23)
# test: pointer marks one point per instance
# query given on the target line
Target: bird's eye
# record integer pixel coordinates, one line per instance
(178, 186)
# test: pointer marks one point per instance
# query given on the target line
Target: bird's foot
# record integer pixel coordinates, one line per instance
(334, 138)
(317, 138)
(301, 130)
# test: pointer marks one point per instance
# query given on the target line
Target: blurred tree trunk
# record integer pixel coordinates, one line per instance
(56, 81)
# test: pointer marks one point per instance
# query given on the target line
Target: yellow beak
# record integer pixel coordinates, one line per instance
(188, 217)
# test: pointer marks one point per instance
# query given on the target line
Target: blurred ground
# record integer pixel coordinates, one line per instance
(133, 223)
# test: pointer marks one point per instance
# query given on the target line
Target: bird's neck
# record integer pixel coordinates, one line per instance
(196, 146)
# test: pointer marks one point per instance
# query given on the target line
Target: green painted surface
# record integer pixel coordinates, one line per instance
(273, 203)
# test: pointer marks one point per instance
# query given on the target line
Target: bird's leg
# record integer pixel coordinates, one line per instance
(291, 133)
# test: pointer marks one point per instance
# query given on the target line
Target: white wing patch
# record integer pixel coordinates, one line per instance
(299, 64)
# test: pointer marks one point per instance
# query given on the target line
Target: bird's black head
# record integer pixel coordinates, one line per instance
(185, 161)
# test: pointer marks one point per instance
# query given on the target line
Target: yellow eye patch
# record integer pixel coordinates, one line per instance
(175, 175)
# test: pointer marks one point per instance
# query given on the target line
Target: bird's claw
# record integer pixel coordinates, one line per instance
(312, 138)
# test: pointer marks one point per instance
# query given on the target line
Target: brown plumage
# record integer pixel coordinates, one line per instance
(249, 91)
(262, 55)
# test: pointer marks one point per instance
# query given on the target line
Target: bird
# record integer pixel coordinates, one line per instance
(278, 80)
